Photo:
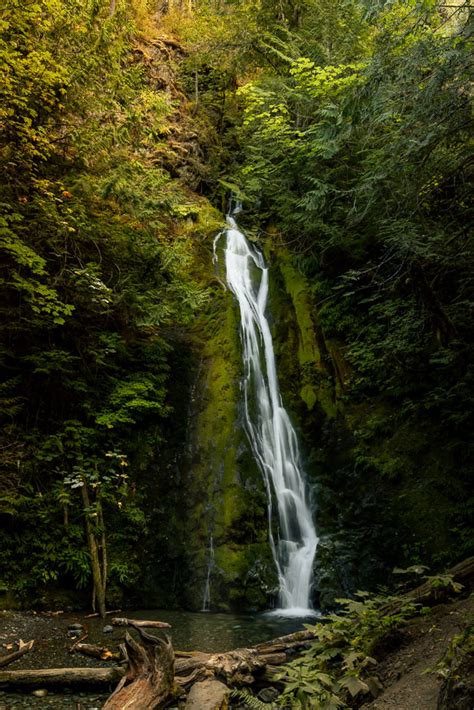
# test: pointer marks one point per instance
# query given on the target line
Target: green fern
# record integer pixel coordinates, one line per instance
(244, 696)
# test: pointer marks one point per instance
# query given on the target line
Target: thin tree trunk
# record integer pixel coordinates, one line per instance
(103, 546)
(98, 573)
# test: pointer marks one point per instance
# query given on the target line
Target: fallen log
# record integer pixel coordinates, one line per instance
(273, 652)
(23, 647)
(429, 594)
(149, 679)
(197, 675)
(462, 573)
(79, 641)
(141, 623)
(107, 613)
(95, 651)
(185, 665)
(282, 643)
(236, 665)
(274, 659)
(47, 677)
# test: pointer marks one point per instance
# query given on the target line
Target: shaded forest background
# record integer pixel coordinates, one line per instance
(344, 128)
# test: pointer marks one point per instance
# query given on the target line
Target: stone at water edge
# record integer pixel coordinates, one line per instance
(75, 627)
(107, 629)
(40, 693)
(208, 694)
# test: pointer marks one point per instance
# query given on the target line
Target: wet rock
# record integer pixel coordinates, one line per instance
(40, 693)
(268, 695)
(75, 627)
(107, 629)
(209, 694)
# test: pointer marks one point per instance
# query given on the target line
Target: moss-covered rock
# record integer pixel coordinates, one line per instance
(225, 496)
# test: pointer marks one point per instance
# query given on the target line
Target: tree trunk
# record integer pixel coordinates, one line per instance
(149, 679)
(98, 566)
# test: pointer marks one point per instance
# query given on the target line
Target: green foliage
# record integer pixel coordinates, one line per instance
(460, 647)
(336, 667)
(248, 700)
(97, 262)
(444, 583)
(355, 153)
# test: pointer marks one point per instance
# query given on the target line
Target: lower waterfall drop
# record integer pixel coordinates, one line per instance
(272, 437)
(206, 599)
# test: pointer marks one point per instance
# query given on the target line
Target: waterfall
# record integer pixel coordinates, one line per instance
(272, 437)
(206, 599)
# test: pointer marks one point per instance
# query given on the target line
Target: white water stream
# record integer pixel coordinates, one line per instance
(271, 434)
(206, 599)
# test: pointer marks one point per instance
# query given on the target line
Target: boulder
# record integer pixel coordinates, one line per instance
(208, 695)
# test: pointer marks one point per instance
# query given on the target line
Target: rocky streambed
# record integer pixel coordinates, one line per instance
(54, 633)
(53, 639)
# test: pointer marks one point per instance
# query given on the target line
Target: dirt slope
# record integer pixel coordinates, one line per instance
(420, 646)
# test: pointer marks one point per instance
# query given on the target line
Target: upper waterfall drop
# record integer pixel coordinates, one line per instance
(272, 437)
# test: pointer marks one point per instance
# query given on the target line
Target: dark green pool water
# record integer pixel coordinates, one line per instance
(217, 632)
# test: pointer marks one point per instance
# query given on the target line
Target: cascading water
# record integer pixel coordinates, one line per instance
(206, 599)
(271, 434)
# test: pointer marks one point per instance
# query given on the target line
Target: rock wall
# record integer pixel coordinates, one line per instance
(371, 504)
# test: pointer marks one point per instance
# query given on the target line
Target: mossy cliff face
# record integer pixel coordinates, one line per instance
(379, 487)
(372, 509)
(371, 506)
(223, 495)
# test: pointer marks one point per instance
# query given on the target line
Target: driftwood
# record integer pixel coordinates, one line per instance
(274, 659)
(46, 677)
(298, 639)
(78, 642)
(141, 624)
(23, 647)
(95, 651)
(149, 678)
(96, 614)
(242, 661)
(236, 668)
